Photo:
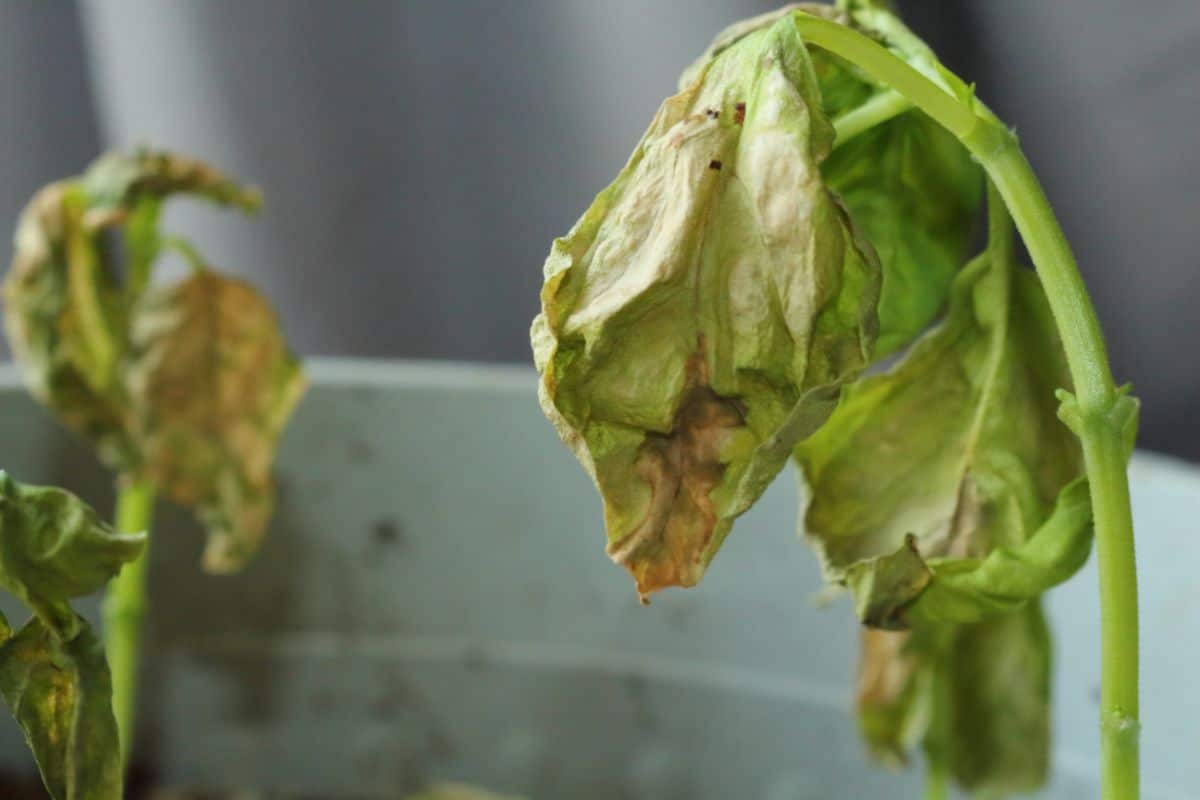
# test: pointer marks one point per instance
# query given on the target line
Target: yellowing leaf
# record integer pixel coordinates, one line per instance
(959, 446)
(66, 305)
(61, 695)
(947, 495)
(63, 318)
(975, 696)
(893, 695)
(700, 318)
(213, 385)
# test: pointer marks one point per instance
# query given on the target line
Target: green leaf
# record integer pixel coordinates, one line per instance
(959, 446)
(969, 589)
(948, 496)
(914, 191)
(61, 694)
(975, 696)
(999, 686)
(213, 384)
(66, 306)
(53, 547)
(701, 317)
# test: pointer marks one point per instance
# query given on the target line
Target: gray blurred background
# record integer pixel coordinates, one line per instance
(419, 156)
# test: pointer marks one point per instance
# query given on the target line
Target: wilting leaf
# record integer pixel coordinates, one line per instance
(213, 384)
(970, 589)
(894, 695)
(53, 546)
(948, 496)
(959, 446)
(61, 694)
(976, 696)
(700, 318)
(63, 319)
(914, 191)
(67, 306)
(909, 185)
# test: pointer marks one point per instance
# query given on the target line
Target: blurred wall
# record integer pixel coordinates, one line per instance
(419, 156)
(47, 122)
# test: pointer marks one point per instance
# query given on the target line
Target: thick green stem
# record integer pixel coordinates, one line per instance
(1099, 425)
(125, 608)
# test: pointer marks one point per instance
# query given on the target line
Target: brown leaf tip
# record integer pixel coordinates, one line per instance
(681, 468)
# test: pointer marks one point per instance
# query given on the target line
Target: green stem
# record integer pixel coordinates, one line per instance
(937, 784)
(1099, 431)
(125, 608)
(875, 111)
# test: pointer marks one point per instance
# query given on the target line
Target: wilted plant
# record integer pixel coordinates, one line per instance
(796, 212)
(184, 389)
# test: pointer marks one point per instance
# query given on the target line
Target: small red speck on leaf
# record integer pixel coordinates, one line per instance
(740, 116)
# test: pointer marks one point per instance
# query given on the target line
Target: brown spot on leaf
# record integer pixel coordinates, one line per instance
(739, 115)
(885, 674)
(682, 468)
(712, 113)
(714, 164)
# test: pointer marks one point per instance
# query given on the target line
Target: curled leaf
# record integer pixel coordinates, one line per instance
(64, 317)
(960, 447)
(213, 384)
(61, 695)
(117, 182)
(53, 547)
(909, 185)
(68, 298)
(968, 590)
(975, 696)
(949, 496)
(701, 317)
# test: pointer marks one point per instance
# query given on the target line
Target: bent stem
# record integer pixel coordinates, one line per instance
(125, 608)
(1099, 428)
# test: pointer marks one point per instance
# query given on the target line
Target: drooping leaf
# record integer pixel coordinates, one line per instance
(213, 384)
(960, 447)
(893, 698)
(701, 317)
(948, 496)
(63, 318)
(61, 694)
(914, 191)
(909, 185)
(53, 547)
(975, 696)
(68, 299)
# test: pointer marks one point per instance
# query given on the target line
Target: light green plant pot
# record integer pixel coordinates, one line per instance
(434, 603)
